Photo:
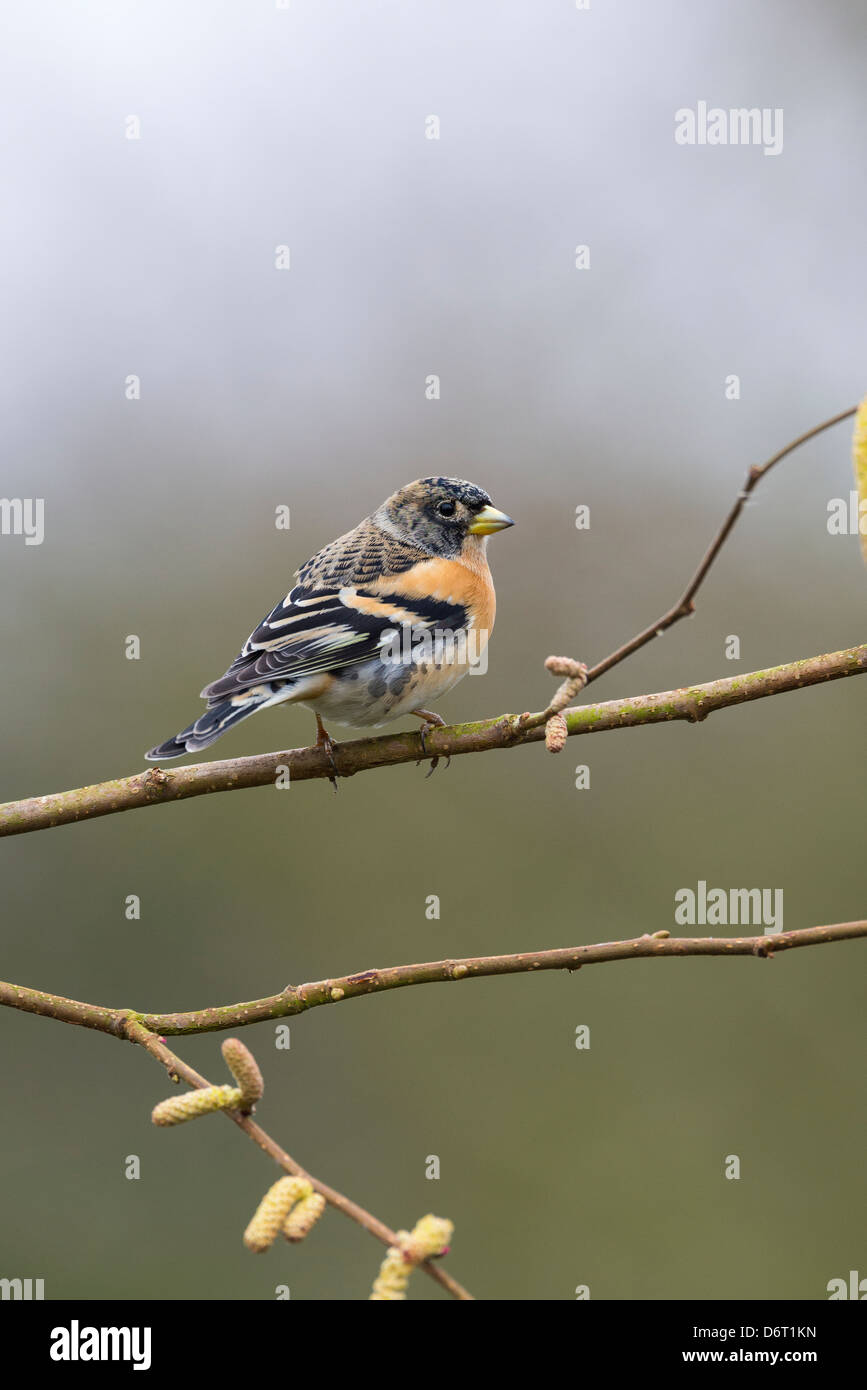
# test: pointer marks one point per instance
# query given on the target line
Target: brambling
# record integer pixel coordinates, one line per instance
(416, 566)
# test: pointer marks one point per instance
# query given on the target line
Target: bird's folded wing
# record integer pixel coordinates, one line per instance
(316, 630)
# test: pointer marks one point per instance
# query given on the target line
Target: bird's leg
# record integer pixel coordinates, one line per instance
(324, 740)
(430, 720)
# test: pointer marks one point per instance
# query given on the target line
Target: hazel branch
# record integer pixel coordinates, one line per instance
(127, 1024)
(146, 1031)
(296, 999)
(690, 703)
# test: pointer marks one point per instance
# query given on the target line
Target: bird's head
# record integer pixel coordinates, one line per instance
(441, 515)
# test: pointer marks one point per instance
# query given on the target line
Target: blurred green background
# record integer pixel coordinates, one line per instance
(605, 387)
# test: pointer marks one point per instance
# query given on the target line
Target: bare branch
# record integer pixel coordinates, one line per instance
(296, 999)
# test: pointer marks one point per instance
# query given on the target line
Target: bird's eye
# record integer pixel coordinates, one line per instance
(446, 508)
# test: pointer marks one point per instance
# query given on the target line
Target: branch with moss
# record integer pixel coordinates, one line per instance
(297, 999)
(691, 703)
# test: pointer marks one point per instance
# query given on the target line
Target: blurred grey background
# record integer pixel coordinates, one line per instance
(305, 126)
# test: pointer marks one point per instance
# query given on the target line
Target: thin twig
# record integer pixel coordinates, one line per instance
(685, 606)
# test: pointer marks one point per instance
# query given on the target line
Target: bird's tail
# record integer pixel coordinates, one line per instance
(210, 726)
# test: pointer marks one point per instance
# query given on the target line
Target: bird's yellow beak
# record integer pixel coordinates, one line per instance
(489, 520)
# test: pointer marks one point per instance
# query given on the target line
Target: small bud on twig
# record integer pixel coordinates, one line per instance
(565, 666)
(576, 679)
(556, 733)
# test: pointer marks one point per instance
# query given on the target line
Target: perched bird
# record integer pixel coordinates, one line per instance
(337, 642)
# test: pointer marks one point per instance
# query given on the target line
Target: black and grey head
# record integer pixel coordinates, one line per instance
(438, 514)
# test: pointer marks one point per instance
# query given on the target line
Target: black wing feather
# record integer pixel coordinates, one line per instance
(313, 630)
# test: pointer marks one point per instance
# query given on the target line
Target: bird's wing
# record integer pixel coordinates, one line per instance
(314, 630)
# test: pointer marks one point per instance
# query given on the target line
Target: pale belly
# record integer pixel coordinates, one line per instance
(376, 692)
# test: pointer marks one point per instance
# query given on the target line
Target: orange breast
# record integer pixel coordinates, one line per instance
(466, 581)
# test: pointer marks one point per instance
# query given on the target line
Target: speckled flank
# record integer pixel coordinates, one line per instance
(375, 693)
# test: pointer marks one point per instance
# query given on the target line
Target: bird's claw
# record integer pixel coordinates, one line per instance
(430, 720)
(328, 745)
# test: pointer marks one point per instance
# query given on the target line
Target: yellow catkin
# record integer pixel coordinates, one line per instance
(177, 1109)
(859, 459)
(270, 1215)
(393, 1277)
(243, 1066)
(303, 1216)
(430, 1236)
